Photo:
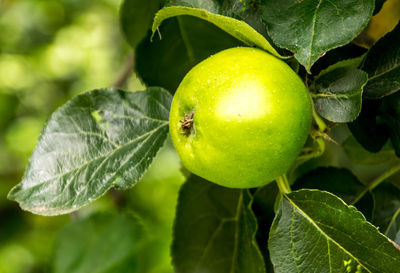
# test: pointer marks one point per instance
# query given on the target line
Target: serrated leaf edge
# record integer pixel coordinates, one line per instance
(310, 63)
(65, 211)
(328, 237)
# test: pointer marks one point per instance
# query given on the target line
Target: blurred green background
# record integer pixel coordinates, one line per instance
(50, 51)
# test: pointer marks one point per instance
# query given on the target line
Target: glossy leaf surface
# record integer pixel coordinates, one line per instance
(339, 94)
(383, 66)
(98, 140)
(315, 231)
(311, 28)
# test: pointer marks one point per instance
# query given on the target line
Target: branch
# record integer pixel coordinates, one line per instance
(125, 72)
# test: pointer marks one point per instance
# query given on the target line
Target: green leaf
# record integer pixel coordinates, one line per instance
(383, 66)
(215, 230)
(359, 155)
(387, 209)
(136, 17)
(185, 42)
(238, 29)
(315, 231)
(102, 243)
(101, 139)
(339, 94)
(310, 28)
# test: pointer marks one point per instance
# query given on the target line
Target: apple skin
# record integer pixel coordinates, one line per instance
(251, 117)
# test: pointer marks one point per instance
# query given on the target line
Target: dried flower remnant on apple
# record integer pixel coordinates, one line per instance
(187, 124)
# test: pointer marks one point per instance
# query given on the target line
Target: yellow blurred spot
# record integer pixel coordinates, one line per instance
(15, 258)
(14, 72)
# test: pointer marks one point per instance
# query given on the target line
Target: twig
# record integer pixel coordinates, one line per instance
(318, 120)
(118, 198)
(125, 72)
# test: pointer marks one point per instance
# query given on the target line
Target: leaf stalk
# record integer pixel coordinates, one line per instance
(377, 181)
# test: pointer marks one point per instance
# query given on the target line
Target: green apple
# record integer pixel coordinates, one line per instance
(240, 118)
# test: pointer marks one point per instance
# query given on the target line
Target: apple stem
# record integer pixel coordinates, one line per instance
(187, 123)
(283, 184)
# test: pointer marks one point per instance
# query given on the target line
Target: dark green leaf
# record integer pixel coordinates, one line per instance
(338, 94)
(367, 129)
(215, 230)
(237, 28)
(317, 232)
(185, 42)
(387, 209)
(390, 116)
(98, 140)
(104, 243)
(310, 28)
(347, 55)
(136, 17)
(379, 120)
(383, 66)
(340, 182)
(247, 11)
(263, 207)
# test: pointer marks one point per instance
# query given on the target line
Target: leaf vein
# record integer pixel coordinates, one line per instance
(99, 157)
(320, 230)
